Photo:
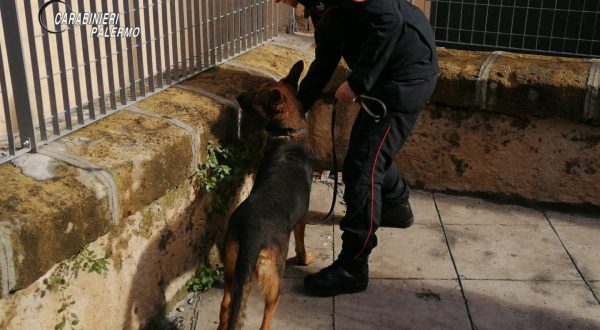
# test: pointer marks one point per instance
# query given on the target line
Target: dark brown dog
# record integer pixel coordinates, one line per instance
(258, 235)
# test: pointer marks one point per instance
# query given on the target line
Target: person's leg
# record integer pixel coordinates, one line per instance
(349, 273)
(372, 178)
(396, 210)
(371, 151)
(363, 175)
(394, 186)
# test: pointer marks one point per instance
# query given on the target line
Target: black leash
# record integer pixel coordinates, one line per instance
(361, 100)
(335, 171)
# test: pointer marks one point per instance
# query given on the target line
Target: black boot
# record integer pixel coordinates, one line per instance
(397, 215)
(345, 275)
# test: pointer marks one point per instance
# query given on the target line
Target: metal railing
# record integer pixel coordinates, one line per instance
(553, 27)
(53, 83)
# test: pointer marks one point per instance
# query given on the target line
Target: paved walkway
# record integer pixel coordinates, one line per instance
(466, 264)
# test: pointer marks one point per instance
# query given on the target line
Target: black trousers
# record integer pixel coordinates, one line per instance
(370, 174)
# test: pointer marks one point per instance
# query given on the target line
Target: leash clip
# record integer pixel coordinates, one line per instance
(361, 100)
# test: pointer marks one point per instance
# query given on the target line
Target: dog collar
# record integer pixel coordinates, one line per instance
(284, 132)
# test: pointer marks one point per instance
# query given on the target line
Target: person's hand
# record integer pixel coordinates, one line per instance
(345, 94)
(291, 3)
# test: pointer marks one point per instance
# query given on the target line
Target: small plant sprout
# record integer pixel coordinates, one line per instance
(204, 280)
(60, 280)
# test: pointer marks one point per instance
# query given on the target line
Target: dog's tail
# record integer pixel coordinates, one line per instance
(245, 268)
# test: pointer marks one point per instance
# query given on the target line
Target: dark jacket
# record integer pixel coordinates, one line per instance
(380, 40)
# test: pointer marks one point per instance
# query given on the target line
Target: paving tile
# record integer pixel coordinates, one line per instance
(318, 240)
(208, 309)
(561, 219)
(423, 207)
(596, 287)
(419, 252)
(321, 196)
(295, 310)
(406, 304)
(473, 211)
(532, 305)
(509, 252)
(583, 244)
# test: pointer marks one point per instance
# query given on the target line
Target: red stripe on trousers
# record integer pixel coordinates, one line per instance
(373, 191)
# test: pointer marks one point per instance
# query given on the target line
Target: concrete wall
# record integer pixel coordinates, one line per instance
(124, 185)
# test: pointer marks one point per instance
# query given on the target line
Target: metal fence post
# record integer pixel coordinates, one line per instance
(16, 64)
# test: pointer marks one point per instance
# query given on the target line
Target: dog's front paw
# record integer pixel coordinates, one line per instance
(301, 259)
(306, 259)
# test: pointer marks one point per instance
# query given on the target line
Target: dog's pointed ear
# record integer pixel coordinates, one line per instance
(294, 76)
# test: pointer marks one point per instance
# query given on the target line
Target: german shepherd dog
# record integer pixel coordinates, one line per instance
(258, 234)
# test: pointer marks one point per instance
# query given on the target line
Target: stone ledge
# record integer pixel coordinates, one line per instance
(46, 219)
(54, 202)
(149, 152)
(519, 84)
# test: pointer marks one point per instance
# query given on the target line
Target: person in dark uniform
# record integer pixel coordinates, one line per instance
(390, 49)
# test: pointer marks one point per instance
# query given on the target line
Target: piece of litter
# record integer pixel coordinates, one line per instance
(180, 309)
(329, 177)
(324, 176)
(190, 301)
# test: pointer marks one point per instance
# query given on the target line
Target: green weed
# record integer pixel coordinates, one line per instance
(204, 279)
(226, 166)
(60, 279)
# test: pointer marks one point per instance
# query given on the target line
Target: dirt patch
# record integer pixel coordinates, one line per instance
(590, 141)
(460, 165)
(428, 295)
